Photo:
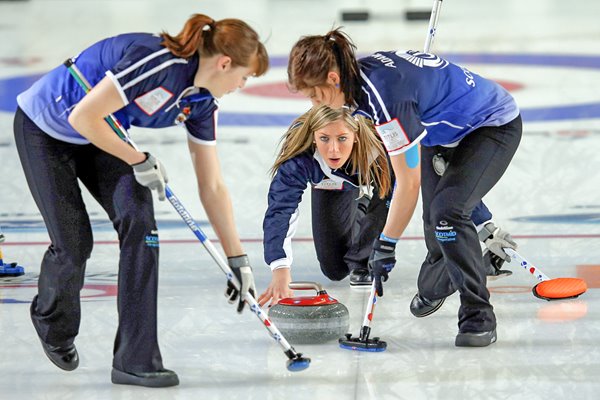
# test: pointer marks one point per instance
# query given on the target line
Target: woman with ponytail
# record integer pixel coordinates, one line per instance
(446, 130)
(145, 80)
(339, 155)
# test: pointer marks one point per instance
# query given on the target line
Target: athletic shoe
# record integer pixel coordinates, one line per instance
(475, 339)
(422, 307)
(162, 378)
(65, 358)
(360, 277)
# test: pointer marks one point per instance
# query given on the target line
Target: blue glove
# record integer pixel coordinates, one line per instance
(381, 262)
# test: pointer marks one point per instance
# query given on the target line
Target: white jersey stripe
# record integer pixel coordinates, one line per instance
(200, 141)
(153, 71)
(377, 96)
(287, 243)
(141, 62)
(409, 146)
(375, 117)
(115, 81)
(441, 122)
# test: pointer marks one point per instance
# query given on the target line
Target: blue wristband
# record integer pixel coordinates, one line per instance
(387, 239)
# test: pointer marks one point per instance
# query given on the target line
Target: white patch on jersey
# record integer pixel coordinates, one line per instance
(153, 100)
(422, 59)
(392, 135)
(329, 184)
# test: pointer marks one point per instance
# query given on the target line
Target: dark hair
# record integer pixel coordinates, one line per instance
(313, 57)
(231, 37)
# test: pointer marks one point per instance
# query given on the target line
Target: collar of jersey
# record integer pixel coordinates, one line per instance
(330, 173)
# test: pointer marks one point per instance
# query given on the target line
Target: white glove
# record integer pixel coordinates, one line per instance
(496, 240)
(240, 265)
(152, 174)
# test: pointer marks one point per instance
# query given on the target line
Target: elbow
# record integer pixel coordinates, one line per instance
(79, 121)
(74, 119)
(414, 183)
(212, 189)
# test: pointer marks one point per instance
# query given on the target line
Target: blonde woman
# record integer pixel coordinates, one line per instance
(339, 155)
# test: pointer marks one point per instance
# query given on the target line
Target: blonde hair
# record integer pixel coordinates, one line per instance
(368, 158)
(231, 37)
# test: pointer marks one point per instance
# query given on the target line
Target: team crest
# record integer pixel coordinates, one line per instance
(421, 59)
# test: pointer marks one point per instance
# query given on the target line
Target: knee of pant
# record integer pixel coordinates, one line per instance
(135, 218)
(335, 275)
(442, 210)
(77, 254)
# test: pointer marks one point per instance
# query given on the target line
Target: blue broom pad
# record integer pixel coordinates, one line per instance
(360, 348)
(298, 364)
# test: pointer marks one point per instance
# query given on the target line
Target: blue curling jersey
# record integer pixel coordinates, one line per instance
(415, 97)
(285, 193)
(156, 87)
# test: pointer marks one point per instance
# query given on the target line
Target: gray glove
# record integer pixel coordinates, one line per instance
(240, 265)
(152, 174)
(496, 239)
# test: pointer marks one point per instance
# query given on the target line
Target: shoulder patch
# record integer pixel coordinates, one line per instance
(152, 101)
(392, 135)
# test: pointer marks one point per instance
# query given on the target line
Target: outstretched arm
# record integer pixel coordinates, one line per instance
(217, 204)
(406, 192)
(279, 225)
(214, 196)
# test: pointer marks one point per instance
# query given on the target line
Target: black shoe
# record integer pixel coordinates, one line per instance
(422, 307)
(163, 378)
(360, 277)
(493, 266)
(475, 339)
(63, 357)
(498, 274)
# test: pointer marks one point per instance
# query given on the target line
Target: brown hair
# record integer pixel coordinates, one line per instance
(231, 37)
(368, 158)
(313, 57)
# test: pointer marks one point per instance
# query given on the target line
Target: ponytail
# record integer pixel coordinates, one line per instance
(231, 37)
(313, 57)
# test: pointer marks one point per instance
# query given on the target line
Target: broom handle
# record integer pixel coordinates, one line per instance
(366, 325)
(533, 270)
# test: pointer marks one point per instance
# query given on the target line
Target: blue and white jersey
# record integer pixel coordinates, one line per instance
(156, 87)
(285, 193)
(416, 97)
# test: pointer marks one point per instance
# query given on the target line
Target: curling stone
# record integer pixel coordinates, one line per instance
(310, 319)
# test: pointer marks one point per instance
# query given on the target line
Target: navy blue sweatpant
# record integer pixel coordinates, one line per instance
(343, 232)
(53, 170)
(454, 260)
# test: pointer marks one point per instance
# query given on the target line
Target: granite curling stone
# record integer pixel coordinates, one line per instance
(310, 319)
